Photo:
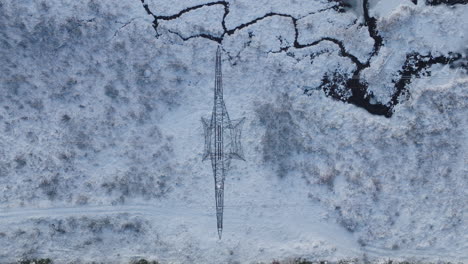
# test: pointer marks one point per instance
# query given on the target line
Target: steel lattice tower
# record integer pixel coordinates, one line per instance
(222, 141)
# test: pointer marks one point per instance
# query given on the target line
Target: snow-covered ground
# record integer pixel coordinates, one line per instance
(101, 139)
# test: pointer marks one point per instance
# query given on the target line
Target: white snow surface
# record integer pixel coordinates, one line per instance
(101, 139)
(409, 28)
(345, 27)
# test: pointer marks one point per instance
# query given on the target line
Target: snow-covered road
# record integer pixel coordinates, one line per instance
(302, 221)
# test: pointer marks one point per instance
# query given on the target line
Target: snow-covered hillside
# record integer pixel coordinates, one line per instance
(356, 132)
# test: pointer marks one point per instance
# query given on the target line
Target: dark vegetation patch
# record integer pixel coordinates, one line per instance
(144, 261)
(20, 162)
(50, 187)
(334, 85)
(446, 2)
(35, 261)
(281, 138)
(341, 6)
(111, 91)
(347, 222)
(134, 183)
(66, 118)
(461, 61)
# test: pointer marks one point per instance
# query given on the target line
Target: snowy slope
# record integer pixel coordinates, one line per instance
(353, 149)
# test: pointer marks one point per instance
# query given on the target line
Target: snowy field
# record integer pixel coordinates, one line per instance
(356, 132)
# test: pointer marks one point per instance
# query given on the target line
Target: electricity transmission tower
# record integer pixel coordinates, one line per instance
(222, 141)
